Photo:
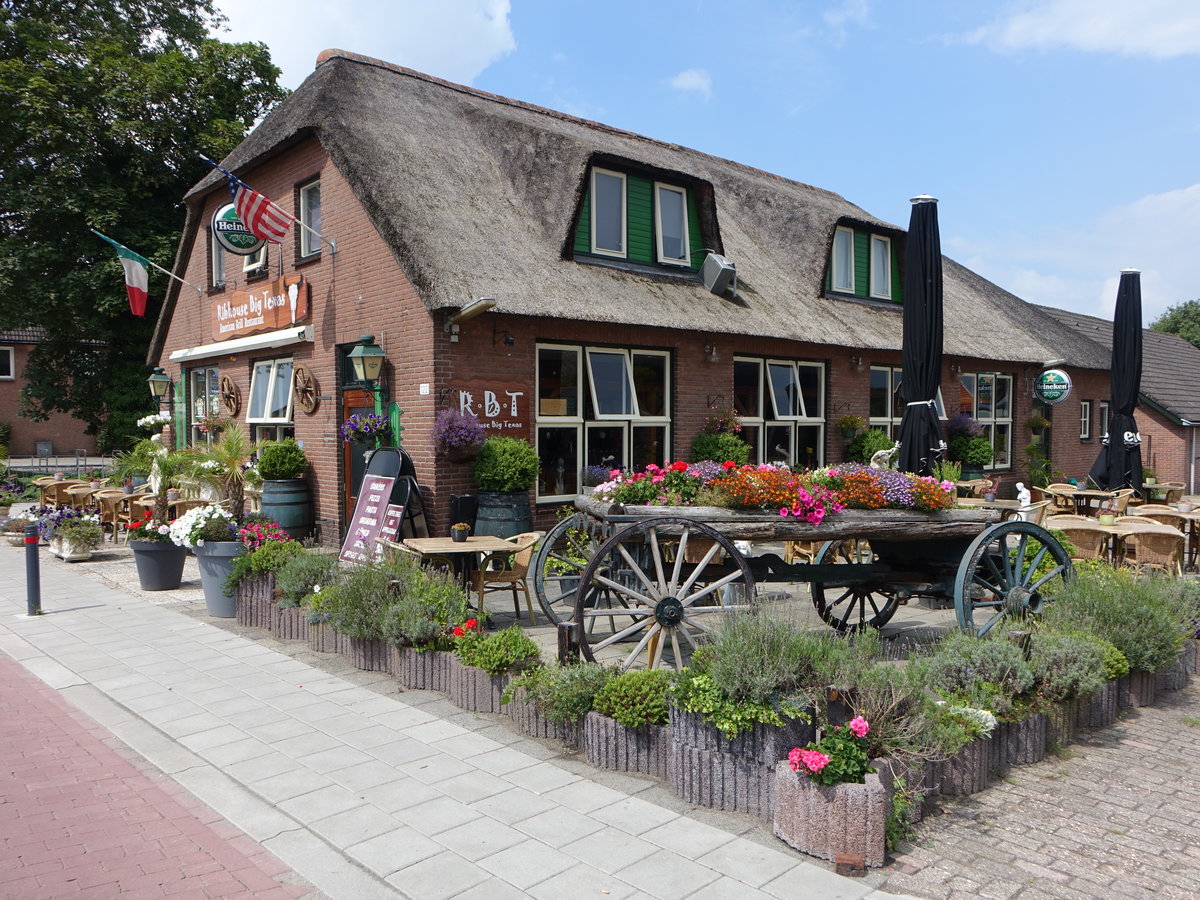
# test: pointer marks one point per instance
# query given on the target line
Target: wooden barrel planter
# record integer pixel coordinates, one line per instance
(503, 515)
(421, 670)
(826, 820)
(610, 745)
(288, 502)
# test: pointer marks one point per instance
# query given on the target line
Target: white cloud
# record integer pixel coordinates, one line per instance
(851, 12)
(1160, 29)
(694, 80)
(452, 39)
(1077, 267)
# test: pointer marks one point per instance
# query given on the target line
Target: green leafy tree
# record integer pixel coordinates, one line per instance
(106, 103)
(1181, 320)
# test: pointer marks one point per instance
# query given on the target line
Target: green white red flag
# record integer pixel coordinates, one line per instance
(137, 275)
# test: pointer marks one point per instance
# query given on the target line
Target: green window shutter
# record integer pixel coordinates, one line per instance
(897, 291)
(862, 264)
(583, 228)
(639, 218)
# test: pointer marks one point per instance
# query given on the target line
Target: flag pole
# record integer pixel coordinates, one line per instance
(149, 261)
(324, 240)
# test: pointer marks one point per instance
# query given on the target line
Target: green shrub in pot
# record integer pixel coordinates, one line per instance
(506, 465)
(281, 460)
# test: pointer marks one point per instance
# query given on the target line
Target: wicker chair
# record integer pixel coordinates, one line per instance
(1167, 517)
(1062, 494)
(974, 487)
(495, 573)
(1034, 512)
(800, 551)
(1175, 490)
(1120, 501)
(1154, 551)
(1089, 541)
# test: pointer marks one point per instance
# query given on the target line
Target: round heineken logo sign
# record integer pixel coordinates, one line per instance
(1053, 386)
(232, 234)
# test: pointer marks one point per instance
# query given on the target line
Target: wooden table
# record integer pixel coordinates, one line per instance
(1088, 501)
(979, 503)
(454, 555)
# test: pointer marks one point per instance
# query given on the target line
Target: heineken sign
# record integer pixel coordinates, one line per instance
(1053, 386)
(232, 234)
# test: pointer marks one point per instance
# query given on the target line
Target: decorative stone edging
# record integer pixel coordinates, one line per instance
(763, 744)
(1191, 656)
(254, 601)
(421, 670)
(966, 772)
(1060, 724)
(289, 623)
(323, 638)
(369, 654)
(1136, 689)
(531, 722)
(824, 821)
(1098, 710)
(610, 745)
(475, 690)
(1175, 676)
(1019, 743)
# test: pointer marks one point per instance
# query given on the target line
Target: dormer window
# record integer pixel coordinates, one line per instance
(608, 213)
(863, 264)
(881, 267)
(671, 225)
(843, 260)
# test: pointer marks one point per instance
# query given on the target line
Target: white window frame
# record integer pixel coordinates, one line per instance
(848, 253)
(658, 225)
(766, 406)
(890, 422)
(252, 262)
(632, 412)
(563, 418)
(216, 274)
(1085, 420)
(268, 397)
(602, 251)
(878, 240)
(309, 244)
(210, 403)
(12, 364)
(1104, 418)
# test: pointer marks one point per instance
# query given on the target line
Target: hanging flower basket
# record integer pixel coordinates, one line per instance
(365, 427)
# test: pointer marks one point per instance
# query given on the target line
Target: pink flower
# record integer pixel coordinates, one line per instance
(814, 760)
(859, 726)
(794, 759)
(783, 510)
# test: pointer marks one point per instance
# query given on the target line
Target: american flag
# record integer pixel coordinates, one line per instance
(264, 219)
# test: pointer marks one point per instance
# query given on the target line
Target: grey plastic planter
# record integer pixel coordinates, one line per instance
(159, 564)
(216, 562)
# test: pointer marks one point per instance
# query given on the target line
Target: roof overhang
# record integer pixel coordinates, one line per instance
(281, 338)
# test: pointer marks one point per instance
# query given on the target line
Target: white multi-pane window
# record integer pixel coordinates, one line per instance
(204, 402)
(1085, 419)
(881, 267)
(988, 396)
(608, 223)
(781, 407)
(886, 405)
(671, 224)
(216, 253)
(602, 407)
(843, 260)
(269, 410)
(310, 215)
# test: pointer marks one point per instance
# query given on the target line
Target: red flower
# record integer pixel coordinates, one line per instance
(470, 623)
(679, 466)
(458, 632)
(728, 464)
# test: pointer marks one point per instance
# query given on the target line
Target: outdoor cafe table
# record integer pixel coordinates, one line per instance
(1087, 501)
(455, 555)
(979, 503)
(1121, 530)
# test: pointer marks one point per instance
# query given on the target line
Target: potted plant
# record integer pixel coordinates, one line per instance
(968, 445)
(132, 468)
(11, 489)
(849, 426)
(366, 428)
(227, 465)
(159, 560)
(1149, 475)
(505, 471)
(1037, 423)
(459, 532)
(457, 434)
(211, 533)
(285, 494)
(14, 530)
(79, 538)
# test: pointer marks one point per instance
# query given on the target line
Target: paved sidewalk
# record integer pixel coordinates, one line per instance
(371, 795)
(82, 816)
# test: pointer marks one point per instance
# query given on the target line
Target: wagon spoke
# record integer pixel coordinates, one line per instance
(622, 589)
(624, 633)
(656, 556)
(636, 568)
(675, 648)
(629, 660)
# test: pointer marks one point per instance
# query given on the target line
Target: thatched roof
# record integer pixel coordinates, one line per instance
(478, 194)
(1170, 365)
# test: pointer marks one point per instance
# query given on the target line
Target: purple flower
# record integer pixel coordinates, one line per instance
(456, 430)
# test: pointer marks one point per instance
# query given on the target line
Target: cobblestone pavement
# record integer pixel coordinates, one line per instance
(81, 815)
(1115, 815)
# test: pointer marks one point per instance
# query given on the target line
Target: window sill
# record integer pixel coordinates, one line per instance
(307, 260)
(677, 273)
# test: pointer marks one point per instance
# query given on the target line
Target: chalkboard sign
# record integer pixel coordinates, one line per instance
(371, 513)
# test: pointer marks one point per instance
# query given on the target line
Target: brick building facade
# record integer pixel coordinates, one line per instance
(60, 435)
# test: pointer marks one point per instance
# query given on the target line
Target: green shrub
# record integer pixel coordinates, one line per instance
(1144, 618)
(507, 465)
(303, 572)
(636, 698)
(357, 603)
(510, 650)
(427, 605)
(278, 460)
(270, 557)
(1065, 665)
(562, 693)
(970, 451)
(721, 447)
(695, 692)
(83, 534)
(867, 444)
(985, 673)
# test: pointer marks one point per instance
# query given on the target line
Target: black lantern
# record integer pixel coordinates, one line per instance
(160, 385)
(367, 357)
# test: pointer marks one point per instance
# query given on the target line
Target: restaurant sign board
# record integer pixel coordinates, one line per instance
(272, 306)
(1052, 386)
(231, 234)
(373, 516)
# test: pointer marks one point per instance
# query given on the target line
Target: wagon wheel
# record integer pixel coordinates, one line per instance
(559, 562)
(231, 396)
(857, 604)
(999, 577)
(639, 584)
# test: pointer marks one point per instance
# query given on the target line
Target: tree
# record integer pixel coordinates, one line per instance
(106, 103)
(1181, 320)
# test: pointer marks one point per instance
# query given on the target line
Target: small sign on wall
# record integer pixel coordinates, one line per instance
(501, 409)
(1053, 386)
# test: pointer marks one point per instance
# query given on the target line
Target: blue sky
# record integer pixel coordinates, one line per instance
(1060, 136)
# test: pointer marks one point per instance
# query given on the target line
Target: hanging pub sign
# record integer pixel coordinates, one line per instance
(276, 305)
(1052, 386)
(232, 234)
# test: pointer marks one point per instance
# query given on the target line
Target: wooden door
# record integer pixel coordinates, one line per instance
(354, 463)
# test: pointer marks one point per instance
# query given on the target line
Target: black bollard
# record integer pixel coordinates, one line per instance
(33, 574)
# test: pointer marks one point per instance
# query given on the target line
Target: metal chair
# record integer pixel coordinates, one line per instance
(496, 573)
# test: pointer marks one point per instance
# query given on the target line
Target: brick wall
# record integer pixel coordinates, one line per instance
(65, 433)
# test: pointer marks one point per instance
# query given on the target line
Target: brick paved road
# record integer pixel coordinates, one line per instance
(81, 815)
(1117, 816)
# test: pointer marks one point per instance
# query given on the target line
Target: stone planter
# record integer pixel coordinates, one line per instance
(369, 654)
(611, 745)
(254, 601)
(69, 551)
(1191, 656)
(421, 670)
(289, 624)
(216, 562)
(323, 638)
(14, 540)
(966, 772)
(1060, 724)
(159, 564)
(1136, 689)
(824, 821)
(531, 722)
(474, 689)
(763, 744)
(1098, 710)
(54, 543)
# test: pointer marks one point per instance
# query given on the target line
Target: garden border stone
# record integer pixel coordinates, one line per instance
(289, 623)
(1136, 689)
(369, 654)
(1099, 709)
(722, 780)
(531, 722)
(610, 745)
(323, 638)
(421, 670)
(474, 690)
(254, 601)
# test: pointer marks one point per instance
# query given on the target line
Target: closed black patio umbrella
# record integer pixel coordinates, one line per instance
(1119, 464)
(920, 432)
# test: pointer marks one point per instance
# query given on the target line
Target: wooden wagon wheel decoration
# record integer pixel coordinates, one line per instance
(304, 388)
(231, 397)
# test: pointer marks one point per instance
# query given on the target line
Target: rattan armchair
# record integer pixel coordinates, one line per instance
(495, 573)
(1154, 551)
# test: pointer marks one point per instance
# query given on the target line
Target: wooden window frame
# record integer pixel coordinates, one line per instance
(887, 255)
(658, 225)
(623, 253)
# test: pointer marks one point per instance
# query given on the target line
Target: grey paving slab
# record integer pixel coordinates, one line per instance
(558, 827)
(354, 826)
(527, 863)
(439, 877)
(748, 862)
(513, 805)
(633, 815)
(582, 881)
(610, 850)
(437, 815)
(480, 837)
(387, 853)
(402, 793)
(669, 876)
(687, 837)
